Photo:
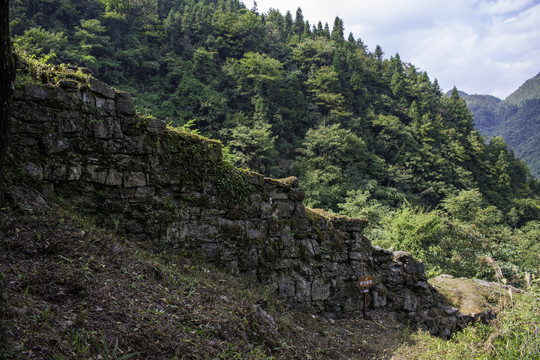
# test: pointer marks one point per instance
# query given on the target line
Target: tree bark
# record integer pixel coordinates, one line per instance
(7, 76)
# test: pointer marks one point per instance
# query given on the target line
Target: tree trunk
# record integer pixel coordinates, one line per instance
(7, 76)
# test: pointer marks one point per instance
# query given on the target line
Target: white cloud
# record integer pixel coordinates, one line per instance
(481, 46)
(503, 6)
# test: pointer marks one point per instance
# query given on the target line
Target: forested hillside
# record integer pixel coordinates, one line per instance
(368, 135)
(516, 119)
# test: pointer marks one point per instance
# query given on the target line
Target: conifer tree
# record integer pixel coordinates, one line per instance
(378, 54)
(320, 29)
(326, 31)
(337, 30)
(288, 23)
(307, 30)
(298, 26)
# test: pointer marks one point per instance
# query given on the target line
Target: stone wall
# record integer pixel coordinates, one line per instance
(83, 142)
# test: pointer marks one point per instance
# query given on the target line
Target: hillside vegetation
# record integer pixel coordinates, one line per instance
(516, 119)
(368, 136)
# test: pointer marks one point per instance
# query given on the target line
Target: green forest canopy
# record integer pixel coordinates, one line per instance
(367, 135)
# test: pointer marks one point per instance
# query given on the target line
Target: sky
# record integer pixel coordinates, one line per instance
(480, 46)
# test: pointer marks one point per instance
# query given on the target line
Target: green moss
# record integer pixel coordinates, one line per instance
(201, 158)
(314, 218)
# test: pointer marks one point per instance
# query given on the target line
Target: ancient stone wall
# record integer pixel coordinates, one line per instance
(84, 143)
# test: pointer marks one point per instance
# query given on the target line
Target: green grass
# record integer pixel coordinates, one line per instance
(512, 335)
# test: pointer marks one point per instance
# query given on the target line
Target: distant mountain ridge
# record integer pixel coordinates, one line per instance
(516, 119)
(530, 90)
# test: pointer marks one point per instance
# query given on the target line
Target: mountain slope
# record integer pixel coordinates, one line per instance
(516, 119)
(530, 90)
(484, 109)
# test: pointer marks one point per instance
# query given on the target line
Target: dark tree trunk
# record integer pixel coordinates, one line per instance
(7, 76)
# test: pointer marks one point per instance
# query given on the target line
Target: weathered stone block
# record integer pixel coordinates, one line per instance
(283, 209)
(34, 170)
(255, 199)
(54, 143)
(266, 207)
(378, 297)
(201, 231)
(134, 179)
(74, 173)
(36, 92)
(292, 251)
(155, 126)
(256, 230)
(60, 99)
(96, 174)
(302, 290)
(124, 103)
(355, 255)
(127, 193)
(55, 172)
(277, 195)
(210, 250)
(286, 286)
(70, 122)
(297, 195)
(19, 93)
(395, 276)
(101, 130)
(101, 88)
(320, 290)
(114, 178)
(69, 85)
(253, 259)
(88, 103)
(105, 107)
(306, 248)
(47, 189)
(283, 264)
(410, 303)
(75, 100)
